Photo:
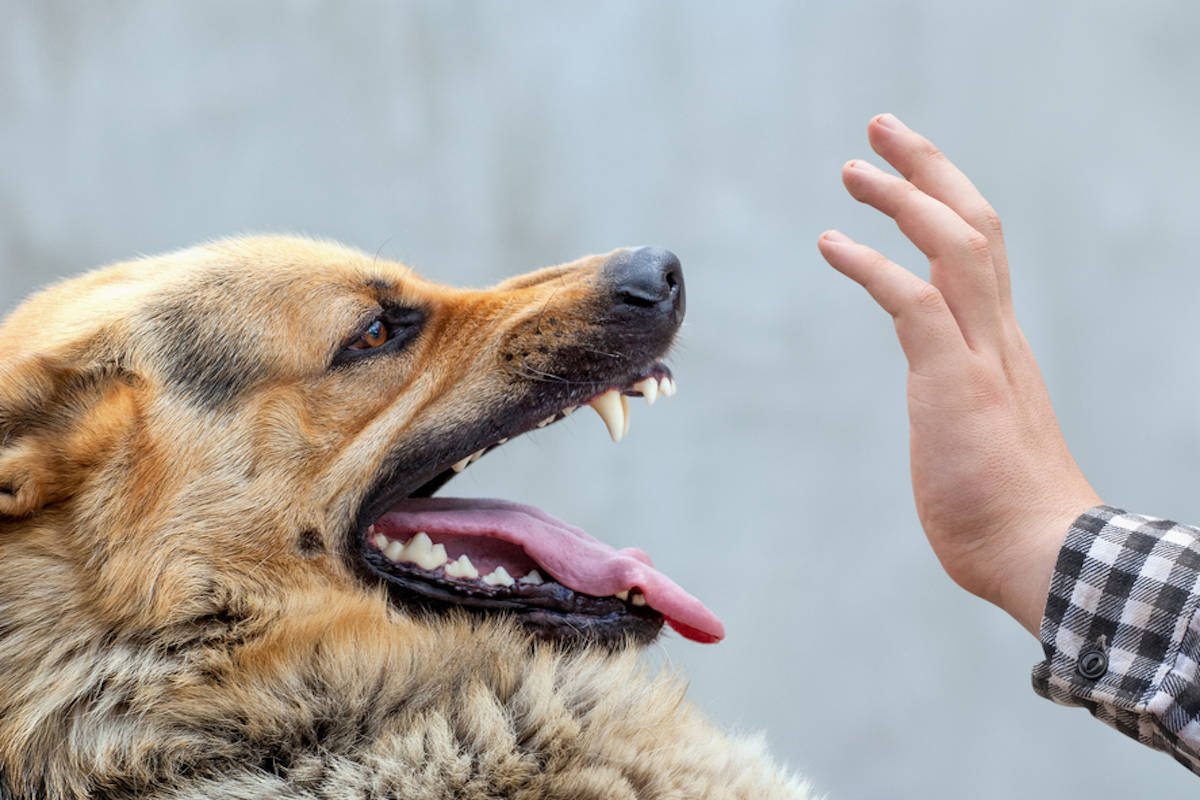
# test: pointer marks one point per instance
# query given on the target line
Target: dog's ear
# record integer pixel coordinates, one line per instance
(57, 419)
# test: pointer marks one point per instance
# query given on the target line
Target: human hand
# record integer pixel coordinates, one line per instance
(995, 485)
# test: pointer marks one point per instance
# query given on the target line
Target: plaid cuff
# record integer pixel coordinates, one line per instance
(1120, 631)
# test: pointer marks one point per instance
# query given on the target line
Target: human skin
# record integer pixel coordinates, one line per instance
(996, 487)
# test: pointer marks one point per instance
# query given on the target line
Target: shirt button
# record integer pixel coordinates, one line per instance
(1092, 663)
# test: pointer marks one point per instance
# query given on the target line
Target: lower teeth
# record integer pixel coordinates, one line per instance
(421, 552)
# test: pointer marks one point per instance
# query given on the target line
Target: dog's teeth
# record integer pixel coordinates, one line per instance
(569, 410)
(469, 460)
(625, 414)
(532, 578)
(667, 387)
(622, 595)
(611, 407)
(502, 441)
(380, 541)
(637, 598)
(546, 421)
(649, 389)
(420, 551)
(394, 550)
(499, 577)
(462, 568)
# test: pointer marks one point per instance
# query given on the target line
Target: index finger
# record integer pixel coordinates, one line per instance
(926, 167)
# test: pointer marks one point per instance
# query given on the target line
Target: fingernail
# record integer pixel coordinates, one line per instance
(837, 237)
(890, 122)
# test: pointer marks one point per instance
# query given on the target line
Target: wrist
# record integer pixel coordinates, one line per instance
(1027, 565)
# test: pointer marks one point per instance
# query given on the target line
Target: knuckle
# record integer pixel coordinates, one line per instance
(987, 221)
(929, 298)
(977, 245)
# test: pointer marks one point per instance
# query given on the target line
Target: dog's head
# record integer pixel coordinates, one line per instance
(188, 436)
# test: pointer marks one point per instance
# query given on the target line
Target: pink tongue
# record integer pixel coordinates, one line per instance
(572, 557)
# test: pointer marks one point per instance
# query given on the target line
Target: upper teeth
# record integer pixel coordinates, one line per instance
(613, 406)
(649, 389)
(471, 459)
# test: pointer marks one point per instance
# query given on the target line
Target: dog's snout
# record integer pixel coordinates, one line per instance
(647, 279)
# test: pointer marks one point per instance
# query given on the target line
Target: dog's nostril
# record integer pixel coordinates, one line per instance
(673, 279)
(638, 300)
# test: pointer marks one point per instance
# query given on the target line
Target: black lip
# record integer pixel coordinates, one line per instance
(550, 611)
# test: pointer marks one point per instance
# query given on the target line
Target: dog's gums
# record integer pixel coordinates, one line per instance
(493, 555)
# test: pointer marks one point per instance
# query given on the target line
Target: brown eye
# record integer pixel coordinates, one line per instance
(375, 336)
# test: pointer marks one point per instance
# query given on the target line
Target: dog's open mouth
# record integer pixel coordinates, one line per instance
(498, 556)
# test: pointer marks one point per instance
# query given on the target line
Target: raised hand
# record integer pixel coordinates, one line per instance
(995, 485)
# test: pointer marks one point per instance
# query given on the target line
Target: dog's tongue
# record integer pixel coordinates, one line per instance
(572, 557)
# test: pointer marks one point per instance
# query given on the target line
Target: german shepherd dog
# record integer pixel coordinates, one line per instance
(223, 572)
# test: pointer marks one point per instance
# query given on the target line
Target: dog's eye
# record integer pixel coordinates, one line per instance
(376, 335)
(390, 332)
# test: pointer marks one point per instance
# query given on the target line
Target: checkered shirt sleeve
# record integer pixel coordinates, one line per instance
(1121, 633)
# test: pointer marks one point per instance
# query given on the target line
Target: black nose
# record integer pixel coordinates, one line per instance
(647, 279)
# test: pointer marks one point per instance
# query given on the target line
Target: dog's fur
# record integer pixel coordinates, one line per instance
(179, 467)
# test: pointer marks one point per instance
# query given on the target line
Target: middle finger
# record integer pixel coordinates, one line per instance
(959, 255)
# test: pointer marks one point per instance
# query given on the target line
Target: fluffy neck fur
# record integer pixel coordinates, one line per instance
(331, 695)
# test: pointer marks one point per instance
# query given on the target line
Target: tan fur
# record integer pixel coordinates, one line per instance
(169, 432)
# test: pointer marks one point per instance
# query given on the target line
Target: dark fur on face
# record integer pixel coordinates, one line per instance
(187, 460)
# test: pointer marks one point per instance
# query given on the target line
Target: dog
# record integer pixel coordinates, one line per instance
(224, 572)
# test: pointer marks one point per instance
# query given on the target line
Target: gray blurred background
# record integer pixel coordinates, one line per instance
(477, 140)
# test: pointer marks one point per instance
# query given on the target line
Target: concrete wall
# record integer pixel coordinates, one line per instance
(476, 140)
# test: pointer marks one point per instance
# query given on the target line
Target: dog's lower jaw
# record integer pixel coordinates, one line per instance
(372, 704)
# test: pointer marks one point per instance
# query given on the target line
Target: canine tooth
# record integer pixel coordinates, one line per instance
(502, 441)
(478, 454)
(625, 413)
(546, 421)
(499, 577)
(569, 410)
(649, 389)
(667, 387)
(637, 598)
(459, 466)
(612, 410)
(532, 578)
(419, 551)
(462, 568)
(395, 550)
(622, 595)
